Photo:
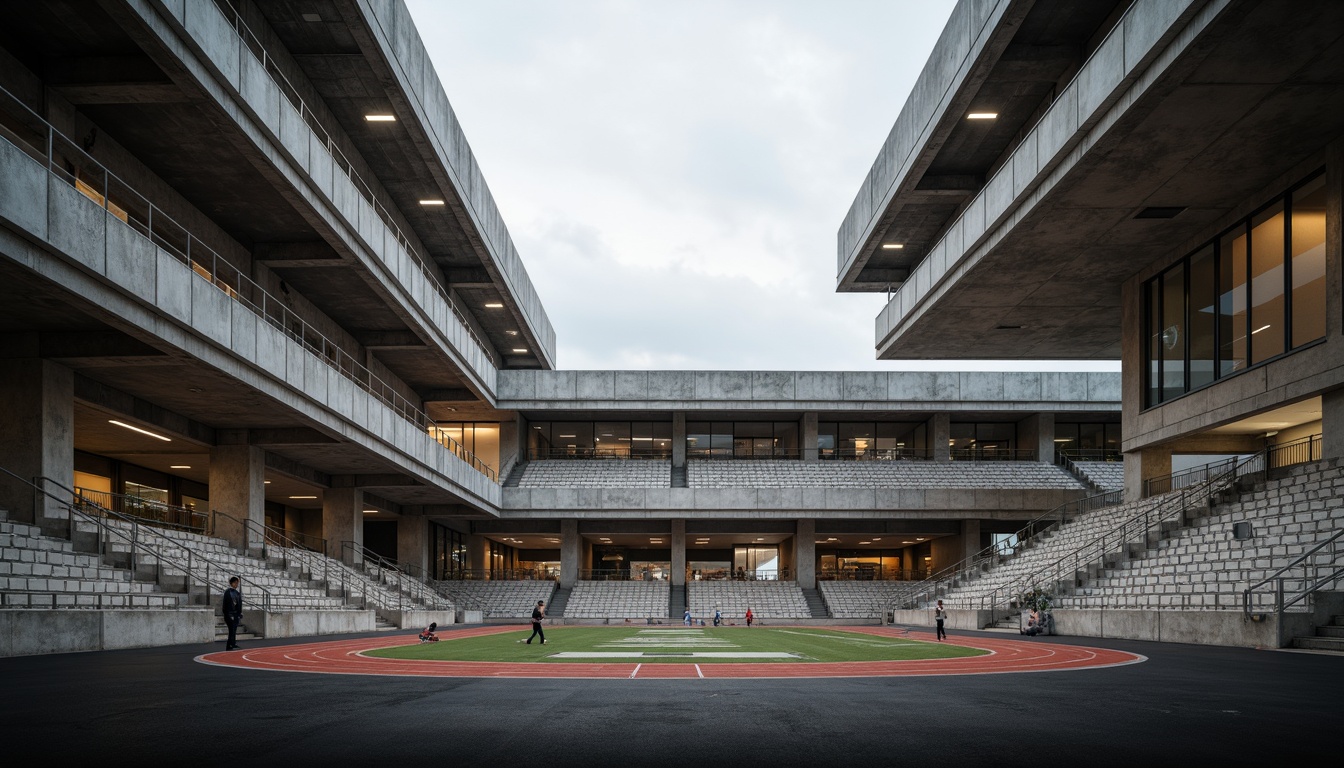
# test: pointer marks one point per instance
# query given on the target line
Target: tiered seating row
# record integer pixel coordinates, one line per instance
(861, 599)
(1205, 567)
(766, 599)
(618, 600)
(38, 571)
(1107, 475)
(596, 473)
(499, 599)
(748, 473)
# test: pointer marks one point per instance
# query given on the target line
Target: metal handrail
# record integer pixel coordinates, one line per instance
(121, 502)
(497, 574)
(993, 454)
(1025, 537)
(1138, 527)
(1281, 601)
(189, 569)
(119, 198)
(1091, 454)
(254, 46)
(874, 454)
(416, 587)
(599, 454)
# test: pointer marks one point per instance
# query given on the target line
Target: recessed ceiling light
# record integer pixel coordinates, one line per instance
(141, 431)
(865, 542)
(179, 466)
(919, 538)
(760, 539)
(494, 305)
(519, 350)
(367, 511)
(875, 538)
(982, 115)
(569, 436)
(431, 201)
(1261, 328)
(310, 17)
(907, 542)
(387, 119)
(511, 333)
(266, 482)
(892, 246)
(303, 497)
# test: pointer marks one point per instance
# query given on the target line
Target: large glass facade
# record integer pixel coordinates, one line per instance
(478, 438)
(1088, 440)
(600, 440)
(742, 439)
(1252, 294)
(447, 552)
(984, 440)
(872, 440)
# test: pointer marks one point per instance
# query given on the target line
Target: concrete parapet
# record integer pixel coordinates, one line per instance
(465, 616)
(1230, 628)
(33, 631)
(420, 619)
(276, 624)
(956, 619)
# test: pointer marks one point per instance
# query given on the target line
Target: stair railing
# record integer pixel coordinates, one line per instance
(1137, 528)
(1026, 537)
(198, 568)
(148, 510)
(1320, 566)
(408, 579)
(270, 536)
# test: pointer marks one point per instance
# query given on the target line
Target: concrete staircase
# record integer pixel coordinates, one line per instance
(222, 631)
(515, 475)
(676, 601)
(1328, 637)
(679, 476)
(816, 604)
(559, 601)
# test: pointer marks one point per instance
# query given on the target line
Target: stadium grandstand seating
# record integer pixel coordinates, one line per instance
(766, 599)
(496, 598)
(753, 473)
(610, 473)
(1106, 475)
(861, 599)
(618, 600)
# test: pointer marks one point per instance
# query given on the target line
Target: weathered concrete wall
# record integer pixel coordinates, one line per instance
(809, 390)
(277, 624)
(1230, 628)
(419, 620)
(956, 619)
(33, 631)
(781, 502)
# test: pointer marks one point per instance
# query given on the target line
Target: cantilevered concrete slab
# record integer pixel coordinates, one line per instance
(1196, 107)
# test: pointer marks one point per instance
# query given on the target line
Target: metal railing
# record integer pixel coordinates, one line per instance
(601, 454)
(873, 454)
(66, 160)
(499, 574)
(1026, 537)
(1301, 451)
(1063, 572)
(142, 541)
(873, 574)
(1090, 454)
(1320, 567)
(730, 454)
(146, 510)
(406, 579)
(433, 277)
(993, 454)
(1278, 456)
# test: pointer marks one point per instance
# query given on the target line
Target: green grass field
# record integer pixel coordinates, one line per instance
(664, 644)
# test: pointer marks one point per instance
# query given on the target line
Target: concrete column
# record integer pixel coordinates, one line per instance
(970, 538)
(940, 432)
(809, 439)
(1143, 465)
(238, 489)
(805, 553)
(478, 553)
(571, 552)
(413, 543)
(679, 439)
(343, 521)
(1037, 432)
(1332, 424)
(37, 439)
(678, 553)
(512, 444)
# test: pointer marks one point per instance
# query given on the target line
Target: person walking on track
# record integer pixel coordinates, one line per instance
(940, 616)
(538, 614)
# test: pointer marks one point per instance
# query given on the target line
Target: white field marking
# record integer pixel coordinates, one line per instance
(671, 631)
(636, 672)
(698, 672)
(657, 655)
(843, 639)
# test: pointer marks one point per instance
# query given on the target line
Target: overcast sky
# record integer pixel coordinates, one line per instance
(674, 174)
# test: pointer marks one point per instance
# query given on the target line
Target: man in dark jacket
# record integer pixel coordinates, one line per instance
(233, 612)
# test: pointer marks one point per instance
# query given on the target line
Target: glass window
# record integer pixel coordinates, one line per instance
(1203, 317)
(612, 439)
(1232, 301)
(1154, 322)
(1308, 261)
(1173, 332)
(786, 438)
(1267, 279)
(697, 439)
(826, 439)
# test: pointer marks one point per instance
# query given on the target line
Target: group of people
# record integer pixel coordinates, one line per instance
(718, 618)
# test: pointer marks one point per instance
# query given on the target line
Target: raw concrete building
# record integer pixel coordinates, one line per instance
(255, 292)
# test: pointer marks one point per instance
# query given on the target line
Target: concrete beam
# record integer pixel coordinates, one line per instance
(161, 419)
(387, 480)
(84, 345)
(376, 340)
(298, 255)
(448, 395)
(131, 79)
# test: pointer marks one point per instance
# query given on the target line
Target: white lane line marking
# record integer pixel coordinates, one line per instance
(698, 672)
(636, 672)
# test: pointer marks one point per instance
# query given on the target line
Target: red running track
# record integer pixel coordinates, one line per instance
(345, 657)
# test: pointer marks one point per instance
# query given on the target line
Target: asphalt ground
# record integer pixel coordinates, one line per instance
(1187, 705)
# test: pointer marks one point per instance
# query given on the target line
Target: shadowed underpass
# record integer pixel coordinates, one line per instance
(1187, 704)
